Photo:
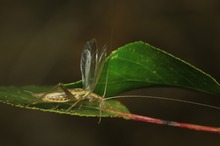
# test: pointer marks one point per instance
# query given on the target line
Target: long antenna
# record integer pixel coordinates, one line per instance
(163, 98)
(108, 63)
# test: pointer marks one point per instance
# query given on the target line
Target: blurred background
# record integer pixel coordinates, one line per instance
(41, 42)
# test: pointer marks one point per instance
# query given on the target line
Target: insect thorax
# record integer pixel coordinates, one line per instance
(81, 94)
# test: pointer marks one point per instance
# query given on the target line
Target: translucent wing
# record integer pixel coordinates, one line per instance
(89, 63)
(101, 61)
(92, 64)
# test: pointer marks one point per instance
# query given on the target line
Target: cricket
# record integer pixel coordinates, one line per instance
(91, 65)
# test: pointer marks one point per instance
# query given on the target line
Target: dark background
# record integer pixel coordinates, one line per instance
(41, 42)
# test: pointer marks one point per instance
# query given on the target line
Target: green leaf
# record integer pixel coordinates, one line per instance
(135, 65)
(140, 65)
(21, 97)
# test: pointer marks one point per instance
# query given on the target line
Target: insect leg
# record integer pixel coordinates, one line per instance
(104, 93)
(106, 80)
(67, 92)
(100, 110)
(78, 100)
(42, 96)
(74, 104)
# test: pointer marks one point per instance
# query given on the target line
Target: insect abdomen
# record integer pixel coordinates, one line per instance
(56, 97)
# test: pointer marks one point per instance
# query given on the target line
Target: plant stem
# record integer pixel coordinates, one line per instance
(165, 122)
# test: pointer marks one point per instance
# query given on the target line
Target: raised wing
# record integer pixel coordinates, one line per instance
(91, 64)
(101, 61)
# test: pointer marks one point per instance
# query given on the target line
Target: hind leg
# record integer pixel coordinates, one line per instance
(101, 104)
(74, 104)
(40, 95)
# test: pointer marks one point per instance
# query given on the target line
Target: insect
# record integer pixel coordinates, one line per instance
(91, 66)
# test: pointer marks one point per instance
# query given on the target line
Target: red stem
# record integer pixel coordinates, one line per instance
(164, 122)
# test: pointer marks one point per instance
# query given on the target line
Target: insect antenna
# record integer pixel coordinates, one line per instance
(163, 98)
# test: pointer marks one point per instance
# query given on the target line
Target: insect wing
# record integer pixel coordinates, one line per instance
(101, 62)
(88, 64)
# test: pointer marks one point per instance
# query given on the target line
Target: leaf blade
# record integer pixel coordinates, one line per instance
(21, 97)
(140, 65)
